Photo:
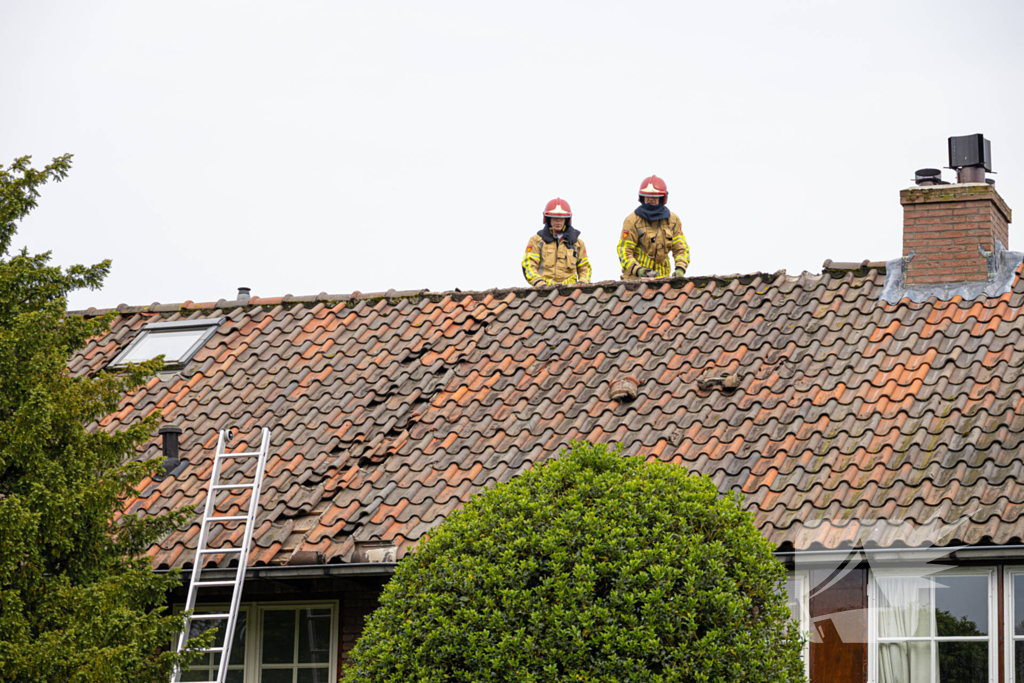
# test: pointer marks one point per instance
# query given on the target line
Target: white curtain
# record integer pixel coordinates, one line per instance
(903, 612)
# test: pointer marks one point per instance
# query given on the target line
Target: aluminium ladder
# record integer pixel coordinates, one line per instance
(210, 518)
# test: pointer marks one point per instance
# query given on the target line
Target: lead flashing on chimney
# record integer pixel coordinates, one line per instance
(1002, 268)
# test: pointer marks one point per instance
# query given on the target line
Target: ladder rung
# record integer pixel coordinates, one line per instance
(249, 454)
(221, 487)
(210, 650)
(227, 518)
(210, 584)
(215, 615)
(214, 551)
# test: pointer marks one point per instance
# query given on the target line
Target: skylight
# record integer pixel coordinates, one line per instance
(177, 342)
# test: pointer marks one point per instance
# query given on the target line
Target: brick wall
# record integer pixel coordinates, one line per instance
(943, 225)
(358, 600)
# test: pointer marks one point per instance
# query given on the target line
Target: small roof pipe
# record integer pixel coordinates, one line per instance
(170, 436)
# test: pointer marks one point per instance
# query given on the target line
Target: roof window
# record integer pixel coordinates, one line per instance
(177, 342)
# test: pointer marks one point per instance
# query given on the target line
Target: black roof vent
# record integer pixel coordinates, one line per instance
(970, 151)
(929, 176)
(170, 436)
(971, 156)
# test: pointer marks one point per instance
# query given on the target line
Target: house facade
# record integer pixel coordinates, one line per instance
(871, 415)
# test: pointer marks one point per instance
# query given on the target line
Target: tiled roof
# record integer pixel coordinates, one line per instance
(388, 410)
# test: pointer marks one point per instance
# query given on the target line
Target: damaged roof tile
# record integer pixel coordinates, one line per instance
(841, 418)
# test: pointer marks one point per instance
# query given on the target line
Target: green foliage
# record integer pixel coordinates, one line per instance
(593, 567)
(964, 661)
(78, 599)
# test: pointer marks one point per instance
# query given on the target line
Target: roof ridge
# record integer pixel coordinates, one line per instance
(393, 294)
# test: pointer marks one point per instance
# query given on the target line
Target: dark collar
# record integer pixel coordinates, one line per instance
(652, 212)
(570, 234)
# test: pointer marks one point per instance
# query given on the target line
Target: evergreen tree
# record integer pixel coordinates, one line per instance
(594, 568)
(78, 599)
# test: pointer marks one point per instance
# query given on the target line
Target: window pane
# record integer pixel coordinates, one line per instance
(279, 637)
(905, 662)
(315, 636)
(1018, 660)
(276, 675)
(961, 605)
(903, 607)
(313, 676)
(234, 675)
(1018, 605)
(172, 344)
(793, 599)
(200, 626)
(199, 675)
(237, 643)
(963, 662)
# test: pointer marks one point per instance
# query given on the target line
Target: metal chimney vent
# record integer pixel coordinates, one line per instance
(970, 150)
(929, 176)
(243, 293)
(971, 156)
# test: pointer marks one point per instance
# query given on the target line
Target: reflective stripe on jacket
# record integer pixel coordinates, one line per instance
(647, 245)
(550, 261)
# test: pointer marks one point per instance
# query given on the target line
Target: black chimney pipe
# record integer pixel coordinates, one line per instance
(170, 434)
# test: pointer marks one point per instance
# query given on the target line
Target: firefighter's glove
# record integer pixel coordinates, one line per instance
(679, 272)
(646, 272)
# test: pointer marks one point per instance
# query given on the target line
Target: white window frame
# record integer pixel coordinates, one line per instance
(802, 577)
(253, 637)
(208, 326)
(937, 575)
(264, 607)
(1009, 620)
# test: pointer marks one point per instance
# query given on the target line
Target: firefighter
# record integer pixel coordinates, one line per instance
(650, 234)
(556, 255)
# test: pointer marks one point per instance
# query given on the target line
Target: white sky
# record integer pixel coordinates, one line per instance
(300, 147)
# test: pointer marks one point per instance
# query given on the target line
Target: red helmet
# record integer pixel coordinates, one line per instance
(653, 186)
(558, 208)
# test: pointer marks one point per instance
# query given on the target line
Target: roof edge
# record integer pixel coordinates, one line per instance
(394, 295)
(304, 571)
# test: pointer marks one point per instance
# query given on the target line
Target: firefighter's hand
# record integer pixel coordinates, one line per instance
(679, 272)
(648, 273)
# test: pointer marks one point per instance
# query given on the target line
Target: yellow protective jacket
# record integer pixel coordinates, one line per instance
(647, 245)
(556, 261)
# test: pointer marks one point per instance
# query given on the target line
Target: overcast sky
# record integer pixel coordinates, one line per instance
(300, 147)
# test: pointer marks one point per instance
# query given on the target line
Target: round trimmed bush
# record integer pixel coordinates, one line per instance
(592, 567)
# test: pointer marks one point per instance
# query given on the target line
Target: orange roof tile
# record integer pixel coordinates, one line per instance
(854, 419)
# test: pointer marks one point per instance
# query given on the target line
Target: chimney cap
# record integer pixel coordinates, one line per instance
(169, 429)
(968, 151)
(243, 293)
(929, 176)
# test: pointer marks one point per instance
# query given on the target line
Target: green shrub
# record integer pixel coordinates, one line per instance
(593, 567)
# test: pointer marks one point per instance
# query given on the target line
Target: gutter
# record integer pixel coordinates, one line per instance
(961, 552)
(313, 571)
(298, 571)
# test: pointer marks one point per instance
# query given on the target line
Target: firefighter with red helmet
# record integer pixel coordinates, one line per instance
(556, 255)
(650, 234)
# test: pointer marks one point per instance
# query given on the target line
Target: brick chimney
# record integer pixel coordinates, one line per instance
(946, 228)
(950, 231)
